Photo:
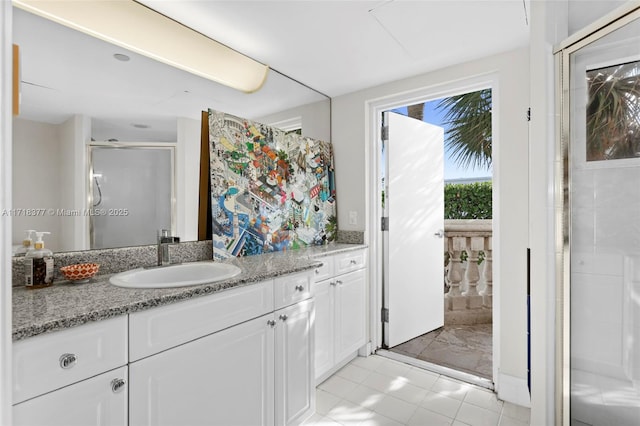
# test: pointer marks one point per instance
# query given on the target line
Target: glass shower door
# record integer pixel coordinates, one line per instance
(132, 194)
(604, 236)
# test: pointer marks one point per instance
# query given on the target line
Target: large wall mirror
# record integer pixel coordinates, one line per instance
(106, 148)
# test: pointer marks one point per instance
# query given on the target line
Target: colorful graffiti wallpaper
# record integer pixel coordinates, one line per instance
(270, 191)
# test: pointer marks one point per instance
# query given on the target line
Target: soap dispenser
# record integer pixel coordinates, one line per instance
(27, 242)
(38, 264)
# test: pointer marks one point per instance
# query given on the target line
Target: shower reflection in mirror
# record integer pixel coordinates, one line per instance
(131, 191)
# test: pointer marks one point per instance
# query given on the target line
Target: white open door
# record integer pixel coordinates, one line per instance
(414, 247)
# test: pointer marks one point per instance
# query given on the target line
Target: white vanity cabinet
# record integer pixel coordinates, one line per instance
(72, 377)
(100, 400)
(254, 371)
(340, 294)
(225, 378)
(294, 363)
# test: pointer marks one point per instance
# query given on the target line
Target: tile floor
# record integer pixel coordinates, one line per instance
(465, 348)
(376, 391)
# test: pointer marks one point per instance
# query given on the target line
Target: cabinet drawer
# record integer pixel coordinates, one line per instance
(325, 271)
(157, 329)
(95, 401)
(291, 289)
(46, 362)
(350, 261)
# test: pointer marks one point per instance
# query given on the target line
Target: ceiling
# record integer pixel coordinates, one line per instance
(339, 47)
(333, 47)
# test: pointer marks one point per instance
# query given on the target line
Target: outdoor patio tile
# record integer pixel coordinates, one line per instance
(462, 347)
(452, 356)
(415, 346)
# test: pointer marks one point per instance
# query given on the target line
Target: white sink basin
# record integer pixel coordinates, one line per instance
(175, 275)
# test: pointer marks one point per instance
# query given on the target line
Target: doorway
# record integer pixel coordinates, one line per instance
(415, 319)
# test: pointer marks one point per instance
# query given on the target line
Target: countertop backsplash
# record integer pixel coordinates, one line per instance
(121, 259)
(125, 258)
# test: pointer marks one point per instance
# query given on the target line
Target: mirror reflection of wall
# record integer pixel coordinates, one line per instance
(76, 90)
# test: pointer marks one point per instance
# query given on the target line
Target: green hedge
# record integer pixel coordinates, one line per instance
(467, 200)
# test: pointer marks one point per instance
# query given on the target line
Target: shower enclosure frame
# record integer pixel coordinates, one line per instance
(562, 162)
(129, 145)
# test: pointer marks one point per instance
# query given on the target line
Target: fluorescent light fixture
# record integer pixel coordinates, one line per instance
(136, 27)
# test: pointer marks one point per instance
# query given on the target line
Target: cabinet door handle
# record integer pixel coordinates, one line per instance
(68, 360)
(317, 271)
(299, 288)
(271, 323)
(283, 317)
(117, 385)
(339, 282)
(333, 283)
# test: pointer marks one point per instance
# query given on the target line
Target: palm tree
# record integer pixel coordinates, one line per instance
(613, 112)
(468, 121)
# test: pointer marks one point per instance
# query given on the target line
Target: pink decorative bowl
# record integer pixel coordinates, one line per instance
(81, 272)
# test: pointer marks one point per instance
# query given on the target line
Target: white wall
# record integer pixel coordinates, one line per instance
(349, 128)
(315, 119)
(187, 179)
(75, 133)
(36, 179)
(549, 23)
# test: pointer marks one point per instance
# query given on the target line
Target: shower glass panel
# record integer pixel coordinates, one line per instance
(131, 194)
(604, 182)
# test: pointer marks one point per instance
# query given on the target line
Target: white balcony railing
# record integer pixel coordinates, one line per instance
(468, 274)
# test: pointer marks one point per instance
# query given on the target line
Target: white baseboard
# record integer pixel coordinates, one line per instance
(513, 389)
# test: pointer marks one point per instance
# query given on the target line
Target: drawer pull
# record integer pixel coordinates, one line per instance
(299, 288)
(353, 262)
(68, 360)
(117, 385)
(317, 271)
(283, 317)
(333, 283)
(271, 323)
(339, 282)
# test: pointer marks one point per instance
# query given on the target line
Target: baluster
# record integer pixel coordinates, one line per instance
(474, 300)
(454, 298)
(487, 293)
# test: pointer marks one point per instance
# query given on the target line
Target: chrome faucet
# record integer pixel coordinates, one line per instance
(164, 239)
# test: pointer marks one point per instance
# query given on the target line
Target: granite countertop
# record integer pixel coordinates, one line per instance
(67, 304)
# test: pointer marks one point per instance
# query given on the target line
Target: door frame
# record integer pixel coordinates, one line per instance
(374, 236)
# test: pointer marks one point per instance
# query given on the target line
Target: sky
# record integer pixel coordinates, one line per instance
(451, 170)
